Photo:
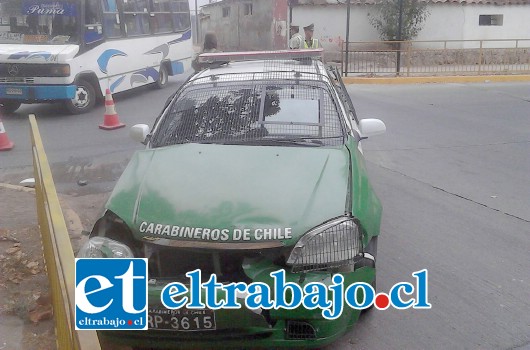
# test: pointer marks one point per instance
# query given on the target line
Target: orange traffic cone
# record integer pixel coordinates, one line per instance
(5, 143)
(111, 119)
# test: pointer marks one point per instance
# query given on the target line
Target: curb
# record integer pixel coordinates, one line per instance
(17, 188)
(440, 80)
(71, 218)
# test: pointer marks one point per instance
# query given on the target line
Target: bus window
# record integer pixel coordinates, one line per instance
(92, 12)
(93, 27)
(25, 22)
(111, 19)
(161, 16)
(181, 14)
(136, 17)
(63, 29)
(32, 20)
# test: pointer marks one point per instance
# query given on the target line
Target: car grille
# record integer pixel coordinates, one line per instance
(227, 265)
(300, 330)
(25, 80)
(21, 70)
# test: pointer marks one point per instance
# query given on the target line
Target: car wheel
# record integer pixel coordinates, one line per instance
(84, 99)
(163, 77)
(9, 106)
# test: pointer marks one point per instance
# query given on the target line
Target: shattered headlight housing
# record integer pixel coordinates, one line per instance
(103, 247)
(333, 244)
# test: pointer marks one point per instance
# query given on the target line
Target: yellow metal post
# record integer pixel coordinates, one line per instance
(58, 252)
(480, 58)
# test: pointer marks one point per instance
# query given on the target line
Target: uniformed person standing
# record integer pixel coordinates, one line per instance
(310, 42)
(297, 40)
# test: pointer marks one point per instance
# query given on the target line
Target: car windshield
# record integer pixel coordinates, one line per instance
(261, 113)
(38, 22)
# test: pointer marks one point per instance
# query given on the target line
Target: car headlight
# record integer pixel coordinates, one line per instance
(103, 247)
(333, 244)
(59, 70)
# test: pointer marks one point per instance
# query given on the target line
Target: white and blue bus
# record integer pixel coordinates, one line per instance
(73, 50)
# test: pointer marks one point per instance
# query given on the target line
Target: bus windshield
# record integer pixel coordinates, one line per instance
(38, 22)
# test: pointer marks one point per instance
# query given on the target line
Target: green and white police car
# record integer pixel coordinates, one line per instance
(254, 165)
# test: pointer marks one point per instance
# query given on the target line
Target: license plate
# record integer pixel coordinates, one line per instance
(182, 320)
(14, 91)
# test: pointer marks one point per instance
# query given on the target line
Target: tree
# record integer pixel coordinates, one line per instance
(386, 19)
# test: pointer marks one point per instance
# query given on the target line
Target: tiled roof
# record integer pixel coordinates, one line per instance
(371, 2)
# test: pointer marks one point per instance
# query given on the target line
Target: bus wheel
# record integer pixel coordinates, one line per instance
(84, 100)
(9, 106)
(163, 76)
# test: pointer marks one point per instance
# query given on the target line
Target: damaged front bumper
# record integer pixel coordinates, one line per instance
(243, 327)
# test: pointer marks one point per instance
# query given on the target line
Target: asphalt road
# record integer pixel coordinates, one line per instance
(76, 148)
(452, 172)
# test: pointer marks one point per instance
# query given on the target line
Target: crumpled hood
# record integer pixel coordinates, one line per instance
(231, 193)
(37, 53)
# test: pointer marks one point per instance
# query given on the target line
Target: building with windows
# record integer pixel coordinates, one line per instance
(448, 20)
(263, 25)
(247, 24)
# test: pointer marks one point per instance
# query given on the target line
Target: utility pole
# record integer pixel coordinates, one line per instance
(290, 13)
(197, 22)
(347, 37)
(400, 25)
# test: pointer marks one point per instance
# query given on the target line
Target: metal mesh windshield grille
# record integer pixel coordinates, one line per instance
(252, 112)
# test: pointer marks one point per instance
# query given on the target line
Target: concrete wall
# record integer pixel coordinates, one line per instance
(446, 22)
(461, 22)
(330, 24)
(265, 29)
(516, 24)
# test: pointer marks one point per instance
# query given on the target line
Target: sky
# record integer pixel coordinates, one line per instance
(199, 4)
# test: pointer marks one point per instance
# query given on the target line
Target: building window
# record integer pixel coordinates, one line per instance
(490, 20)
(247, 10)
(226, 11)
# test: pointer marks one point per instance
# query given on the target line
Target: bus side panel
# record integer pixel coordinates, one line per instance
(123, 64)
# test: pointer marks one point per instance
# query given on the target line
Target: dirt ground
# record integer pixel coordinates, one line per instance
(26, 316)
(26, 320)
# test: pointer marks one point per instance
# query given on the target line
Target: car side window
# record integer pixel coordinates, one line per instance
(343, 93)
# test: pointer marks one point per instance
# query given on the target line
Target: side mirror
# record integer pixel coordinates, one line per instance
(371, 127)
(139, 132)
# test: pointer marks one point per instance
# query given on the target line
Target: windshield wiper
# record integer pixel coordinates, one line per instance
(298, 141)
(273, 142)
(302, 140)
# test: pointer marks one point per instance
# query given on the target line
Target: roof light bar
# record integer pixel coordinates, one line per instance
(217, 57)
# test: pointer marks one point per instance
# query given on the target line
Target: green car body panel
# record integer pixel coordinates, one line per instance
(238, 328)
(246, 187)
(242, 187)
(365, 204)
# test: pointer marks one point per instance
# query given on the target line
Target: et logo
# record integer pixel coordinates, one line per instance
(111, 294)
